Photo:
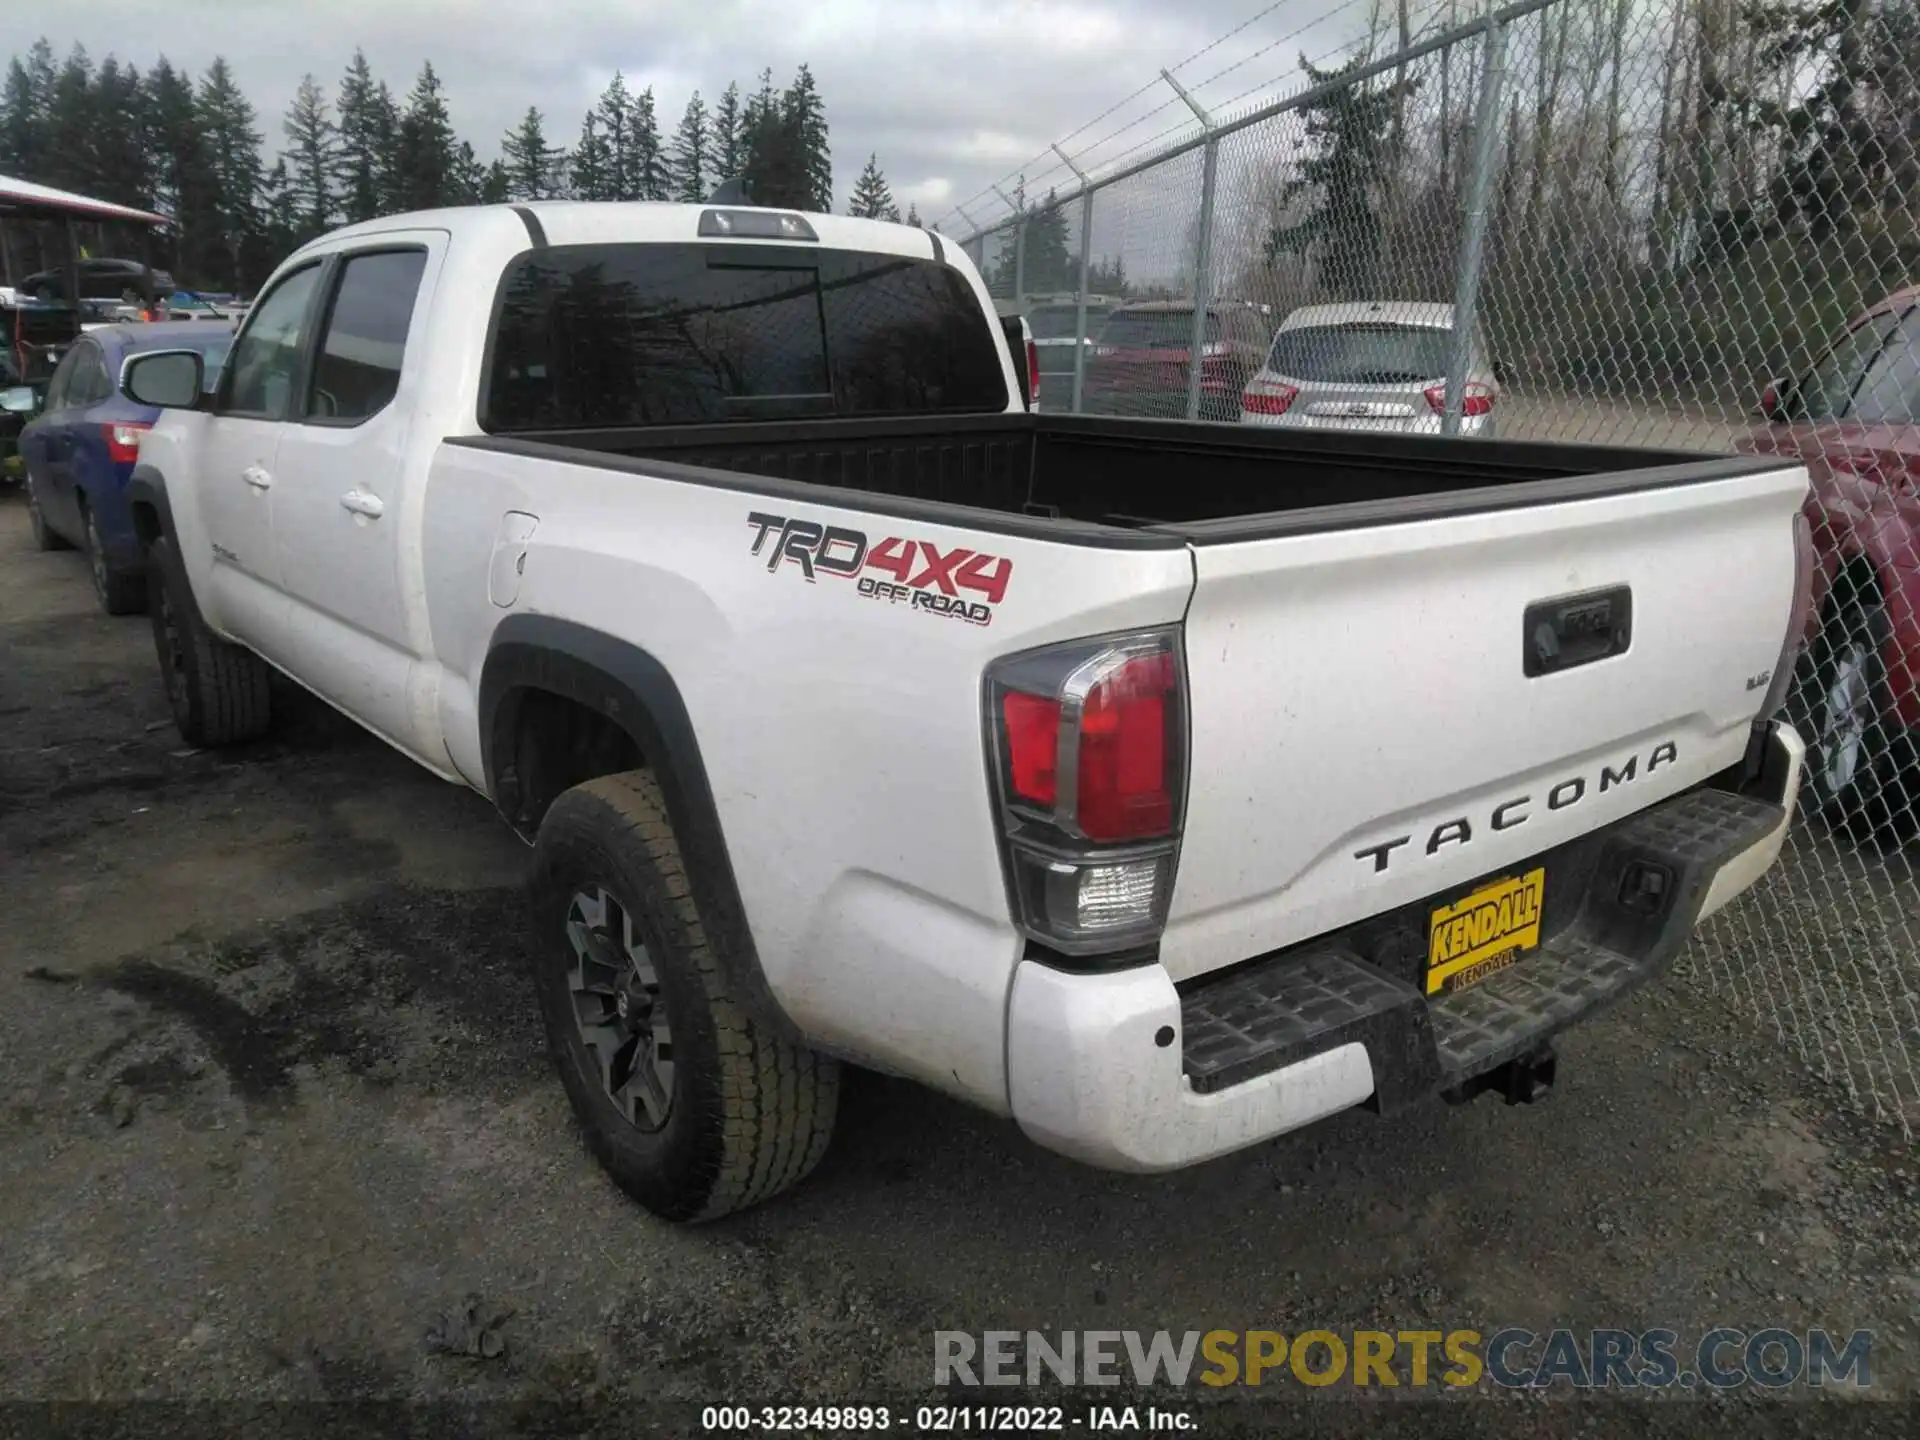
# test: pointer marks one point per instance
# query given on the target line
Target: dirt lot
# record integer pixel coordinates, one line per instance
(274, 1101)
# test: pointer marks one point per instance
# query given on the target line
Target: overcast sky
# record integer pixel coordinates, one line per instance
(952, 94)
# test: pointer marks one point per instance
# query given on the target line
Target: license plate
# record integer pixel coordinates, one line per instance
(1485, 932)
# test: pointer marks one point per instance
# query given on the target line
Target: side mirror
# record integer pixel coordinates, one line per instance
(165, 379)
(20, 400)
(1773, 400)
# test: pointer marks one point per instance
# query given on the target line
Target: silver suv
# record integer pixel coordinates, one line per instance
(1369, 365)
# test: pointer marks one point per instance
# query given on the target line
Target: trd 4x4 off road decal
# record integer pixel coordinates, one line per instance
(922, 575)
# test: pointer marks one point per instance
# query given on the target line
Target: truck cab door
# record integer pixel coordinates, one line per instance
(352, 456)
(239, 454)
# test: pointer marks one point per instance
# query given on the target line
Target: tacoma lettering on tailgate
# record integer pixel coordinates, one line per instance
(1509, 813)
(923, 577)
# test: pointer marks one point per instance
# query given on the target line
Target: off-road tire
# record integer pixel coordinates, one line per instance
(120, 592)
(218, 692)
(751, 1112)
(44, 535)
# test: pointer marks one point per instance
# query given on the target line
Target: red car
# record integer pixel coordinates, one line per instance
(1854, 419)
(1143, 357)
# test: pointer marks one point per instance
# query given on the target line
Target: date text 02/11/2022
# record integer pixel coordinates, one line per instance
(944, 1419)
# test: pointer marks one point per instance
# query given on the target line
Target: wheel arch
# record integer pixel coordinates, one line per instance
(147, 504)
(627, 690)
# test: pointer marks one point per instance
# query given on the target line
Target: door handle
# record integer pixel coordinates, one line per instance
(361, 503)
(257, 477)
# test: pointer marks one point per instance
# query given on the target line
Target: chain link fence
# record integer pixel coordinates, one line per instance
(1676, 223)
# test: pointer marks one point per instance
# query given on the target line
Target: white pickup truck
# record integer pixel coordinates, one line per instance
(1162, 786)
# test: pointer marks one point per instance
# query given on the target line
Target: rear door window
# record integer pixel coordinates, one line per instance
(1361, 354)
(597, 336)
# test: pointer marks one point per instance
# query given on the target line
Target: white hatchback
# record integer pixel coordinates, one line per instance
(1369, 365)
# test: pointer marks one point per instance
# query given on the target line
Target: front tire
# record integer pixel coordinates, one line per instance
(694, 1109)
(218, 692)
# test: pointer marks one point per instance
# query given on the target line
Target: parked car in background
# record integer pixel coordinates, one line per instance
(1142, 358)
(81, 449)
(1853, 418)
(1056, 334)
(1369, 365)
(102, 278)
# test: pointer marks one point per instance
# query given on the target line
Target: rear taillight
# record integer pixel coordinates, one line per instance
(123, 441)
(1475, 399)
(1033, 374)
(1804, 564)
(1089, 746)
(1268, 397)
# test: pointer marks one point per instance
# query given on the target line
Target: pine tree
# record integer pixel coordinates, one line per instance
(1051, 265)
(913, 216)
(649, 159)
(71, 162)
(1339, 180)
(232, 155)
(387, 137)
(533, 166)
(765, 159)
(424, 152)
(365, 155)
(589, 169)
(124, 175)
(469, 175)
(497, 187)
(313, 158)
(614, 110)
(24, 113)
(283, 215)
(688, 165)
(804, 117)
(176, 158)
(872, 200)
(729, 156)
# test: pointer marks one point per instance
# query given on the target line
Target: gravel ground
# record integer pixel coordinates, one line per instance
(275, 1104)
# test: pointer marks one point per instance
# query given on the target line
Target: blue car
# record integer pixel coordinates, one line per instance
(81, 449)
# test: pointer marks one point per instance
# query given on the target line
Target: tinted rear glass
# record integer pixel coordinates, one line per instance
(1361, 354)
(612, 335)
(1154, 329)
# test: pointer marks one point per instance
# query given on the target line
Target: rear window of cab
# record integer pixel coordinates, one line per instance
(608, 336)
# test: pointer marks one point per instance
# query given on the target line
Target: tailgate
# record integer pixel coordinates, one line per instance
(1365, 729)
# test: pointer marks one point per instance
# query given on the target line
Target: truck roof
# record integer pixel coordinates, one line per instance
(600, 222)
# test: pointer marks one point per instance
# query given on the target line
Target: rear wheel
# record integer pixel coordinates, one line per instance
(693, 1108)
(44, 537)
(218, 692)
(120, 592)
